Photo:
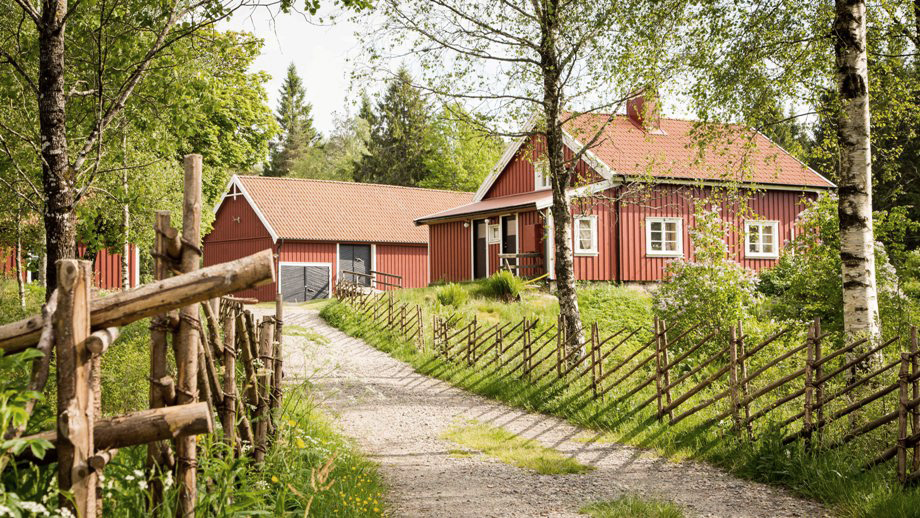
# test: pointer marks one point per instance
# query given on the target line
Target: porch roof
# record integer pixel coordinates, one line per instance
(533, 200)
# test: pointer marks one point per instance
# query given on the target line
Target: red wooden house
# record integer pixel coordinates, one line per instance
(106, 268)
(319, 229)
(633, 201)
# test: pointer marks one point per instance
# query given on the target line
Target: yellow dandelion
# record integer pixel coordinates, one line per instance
(300, 443)
(274, 479)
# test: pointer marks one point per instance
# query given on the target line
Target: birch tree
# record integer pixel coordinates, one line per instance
(541, 60)
(857, 242)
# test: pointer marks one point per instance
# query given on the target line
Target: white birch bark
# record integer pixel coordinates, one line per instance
(857, 243)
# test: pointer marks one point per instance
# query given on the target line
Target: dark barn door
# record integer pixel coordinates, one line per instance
(509, 238)
(301, 283)
(355, 258)
(480, 248)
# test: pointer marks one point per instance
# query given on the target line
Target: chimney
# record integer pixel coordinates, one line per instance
(643, 112)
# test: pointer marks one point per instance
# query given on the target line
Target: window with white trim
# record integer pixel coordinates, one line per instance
(585, 235)
(664, 237)
(541, 177)
(761, 239)
(493, 234)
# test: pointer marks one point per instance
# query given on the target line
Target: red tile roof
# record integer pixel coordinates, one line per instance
(514, 201)
(740, 154)
(324, 210)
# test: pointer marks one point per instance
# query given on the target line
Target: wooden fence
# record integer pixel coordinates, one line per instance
(80, 329)
(803, 390)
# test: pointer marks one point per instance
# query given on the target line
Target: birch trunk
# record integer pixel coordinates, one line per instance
(20, 283)
(57, 175)
(857, 243)
(561, 209)
(125, 219)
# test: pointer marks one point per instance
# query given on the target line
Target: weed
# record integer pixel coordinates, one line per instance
(633, 506)
(452, 295)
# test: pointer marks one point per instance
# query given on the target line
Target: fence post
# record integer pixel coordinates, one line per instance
(594, 359)
(808, 421)
(914, 370)
(187, 347)
(277, 351)
(265, 371)
(903, 376)
(229, 416)
(666, 375)
(742, 374)
(526, 349)
(470, 340)
(74, 394)
(818, 374)
(161, 384)
(559, 341)
(733, 377)
(420, 340)
(390, 309)
(657, 325)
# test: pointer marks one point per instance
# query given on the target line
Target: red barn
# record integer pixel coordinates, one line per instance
(106, 268)
(319, 229)
(633, 201)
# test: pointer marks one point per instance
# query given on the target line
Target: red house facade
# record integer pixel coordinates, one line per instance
(634, 196)
(107, 268)
(319, 229)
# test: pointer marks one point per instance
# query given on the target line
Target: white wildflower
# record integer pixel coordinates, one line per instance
(5, 511)
(34, 507)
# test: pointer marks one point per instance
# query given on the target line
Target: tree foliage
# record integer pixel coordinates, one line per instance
(298, 136)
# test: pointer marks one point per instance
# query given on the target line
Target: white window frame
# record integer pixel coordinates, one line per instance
(648, 237)
(774, 224)
(540, 178)
(493, 233)
(577, 248)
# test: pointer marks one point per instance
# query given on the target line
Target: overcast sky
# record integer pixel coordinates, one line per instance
(319, 52)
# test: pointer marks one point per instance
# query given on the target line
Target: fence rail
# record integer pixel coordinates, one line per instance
(680, 371)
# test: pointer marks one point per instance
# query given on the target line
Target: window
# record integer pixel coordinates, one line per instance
(494, 234)
(541, 178)
(760, 239)
(664, 237)
(586, 235)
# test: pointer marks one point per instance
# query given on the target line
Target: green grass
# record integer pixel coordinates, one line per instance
(833, 477)
(632, 506)
(512, 449)
(309, 334)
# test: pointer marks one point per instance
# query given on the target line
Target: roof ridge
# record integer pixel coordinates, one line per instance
(320, 180)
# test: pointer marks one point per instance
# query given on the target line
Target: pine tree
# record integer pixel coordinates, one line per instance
(400, 140)
(295, 118)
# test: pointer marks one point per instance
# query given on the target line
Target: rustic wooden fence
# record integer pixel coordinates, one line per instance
(824, 398)
(79, 329)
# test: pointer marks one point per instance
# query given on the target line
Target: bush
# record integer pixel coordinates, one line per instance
(452, 295)
(503, 285)
(712, 289)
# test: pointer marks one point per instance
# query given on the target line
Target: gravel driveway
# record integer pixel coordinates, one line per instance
(397, 417)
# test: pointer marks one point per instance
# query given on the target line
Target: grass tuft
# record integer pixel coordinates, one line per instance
(633, 506)
(512, 449)
(303, 332)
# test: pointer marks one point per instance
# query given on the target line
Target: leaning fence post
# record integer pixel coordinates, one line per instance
(666, 375)
(657, 325)
(161, 384)
(277, 351)
(229, 415)
(808, 422)
(914, 371)
(420, 340)
(903, 398)
(733, 377)
(818, 374)
(74, 394)
(470, 340)
(743, 383)
(594, 359)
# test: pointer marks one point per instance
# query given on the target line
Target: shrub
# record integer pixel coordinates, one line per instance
(711, 289)
(452, 295)
(503, 285)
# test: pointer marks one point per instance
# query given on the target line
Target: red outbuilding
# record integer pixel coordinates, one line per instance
(107, 268)
(633, 200)
(319, 229)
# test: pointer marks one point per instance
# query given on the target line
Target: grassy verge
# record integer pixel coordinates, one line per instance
(832, 477)
(632, 506)
(512, 449)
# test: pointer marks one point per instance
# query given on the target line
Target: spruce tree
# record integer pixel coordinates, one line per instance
(400, 140)
(295, 118)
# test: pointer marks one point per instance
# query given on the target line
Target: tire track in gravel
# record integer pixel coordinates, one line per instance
(397, 416)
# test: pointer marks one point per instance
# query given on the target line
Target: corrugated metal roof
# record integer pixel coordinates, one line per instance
(325, 210)
(527, 199)
(742, 155)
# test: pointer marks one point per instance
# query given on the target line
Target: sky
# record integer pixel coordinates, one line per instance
(320, 53)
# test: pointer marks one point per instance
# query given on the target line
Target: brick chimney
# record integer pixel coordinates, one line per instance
(643, 112)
